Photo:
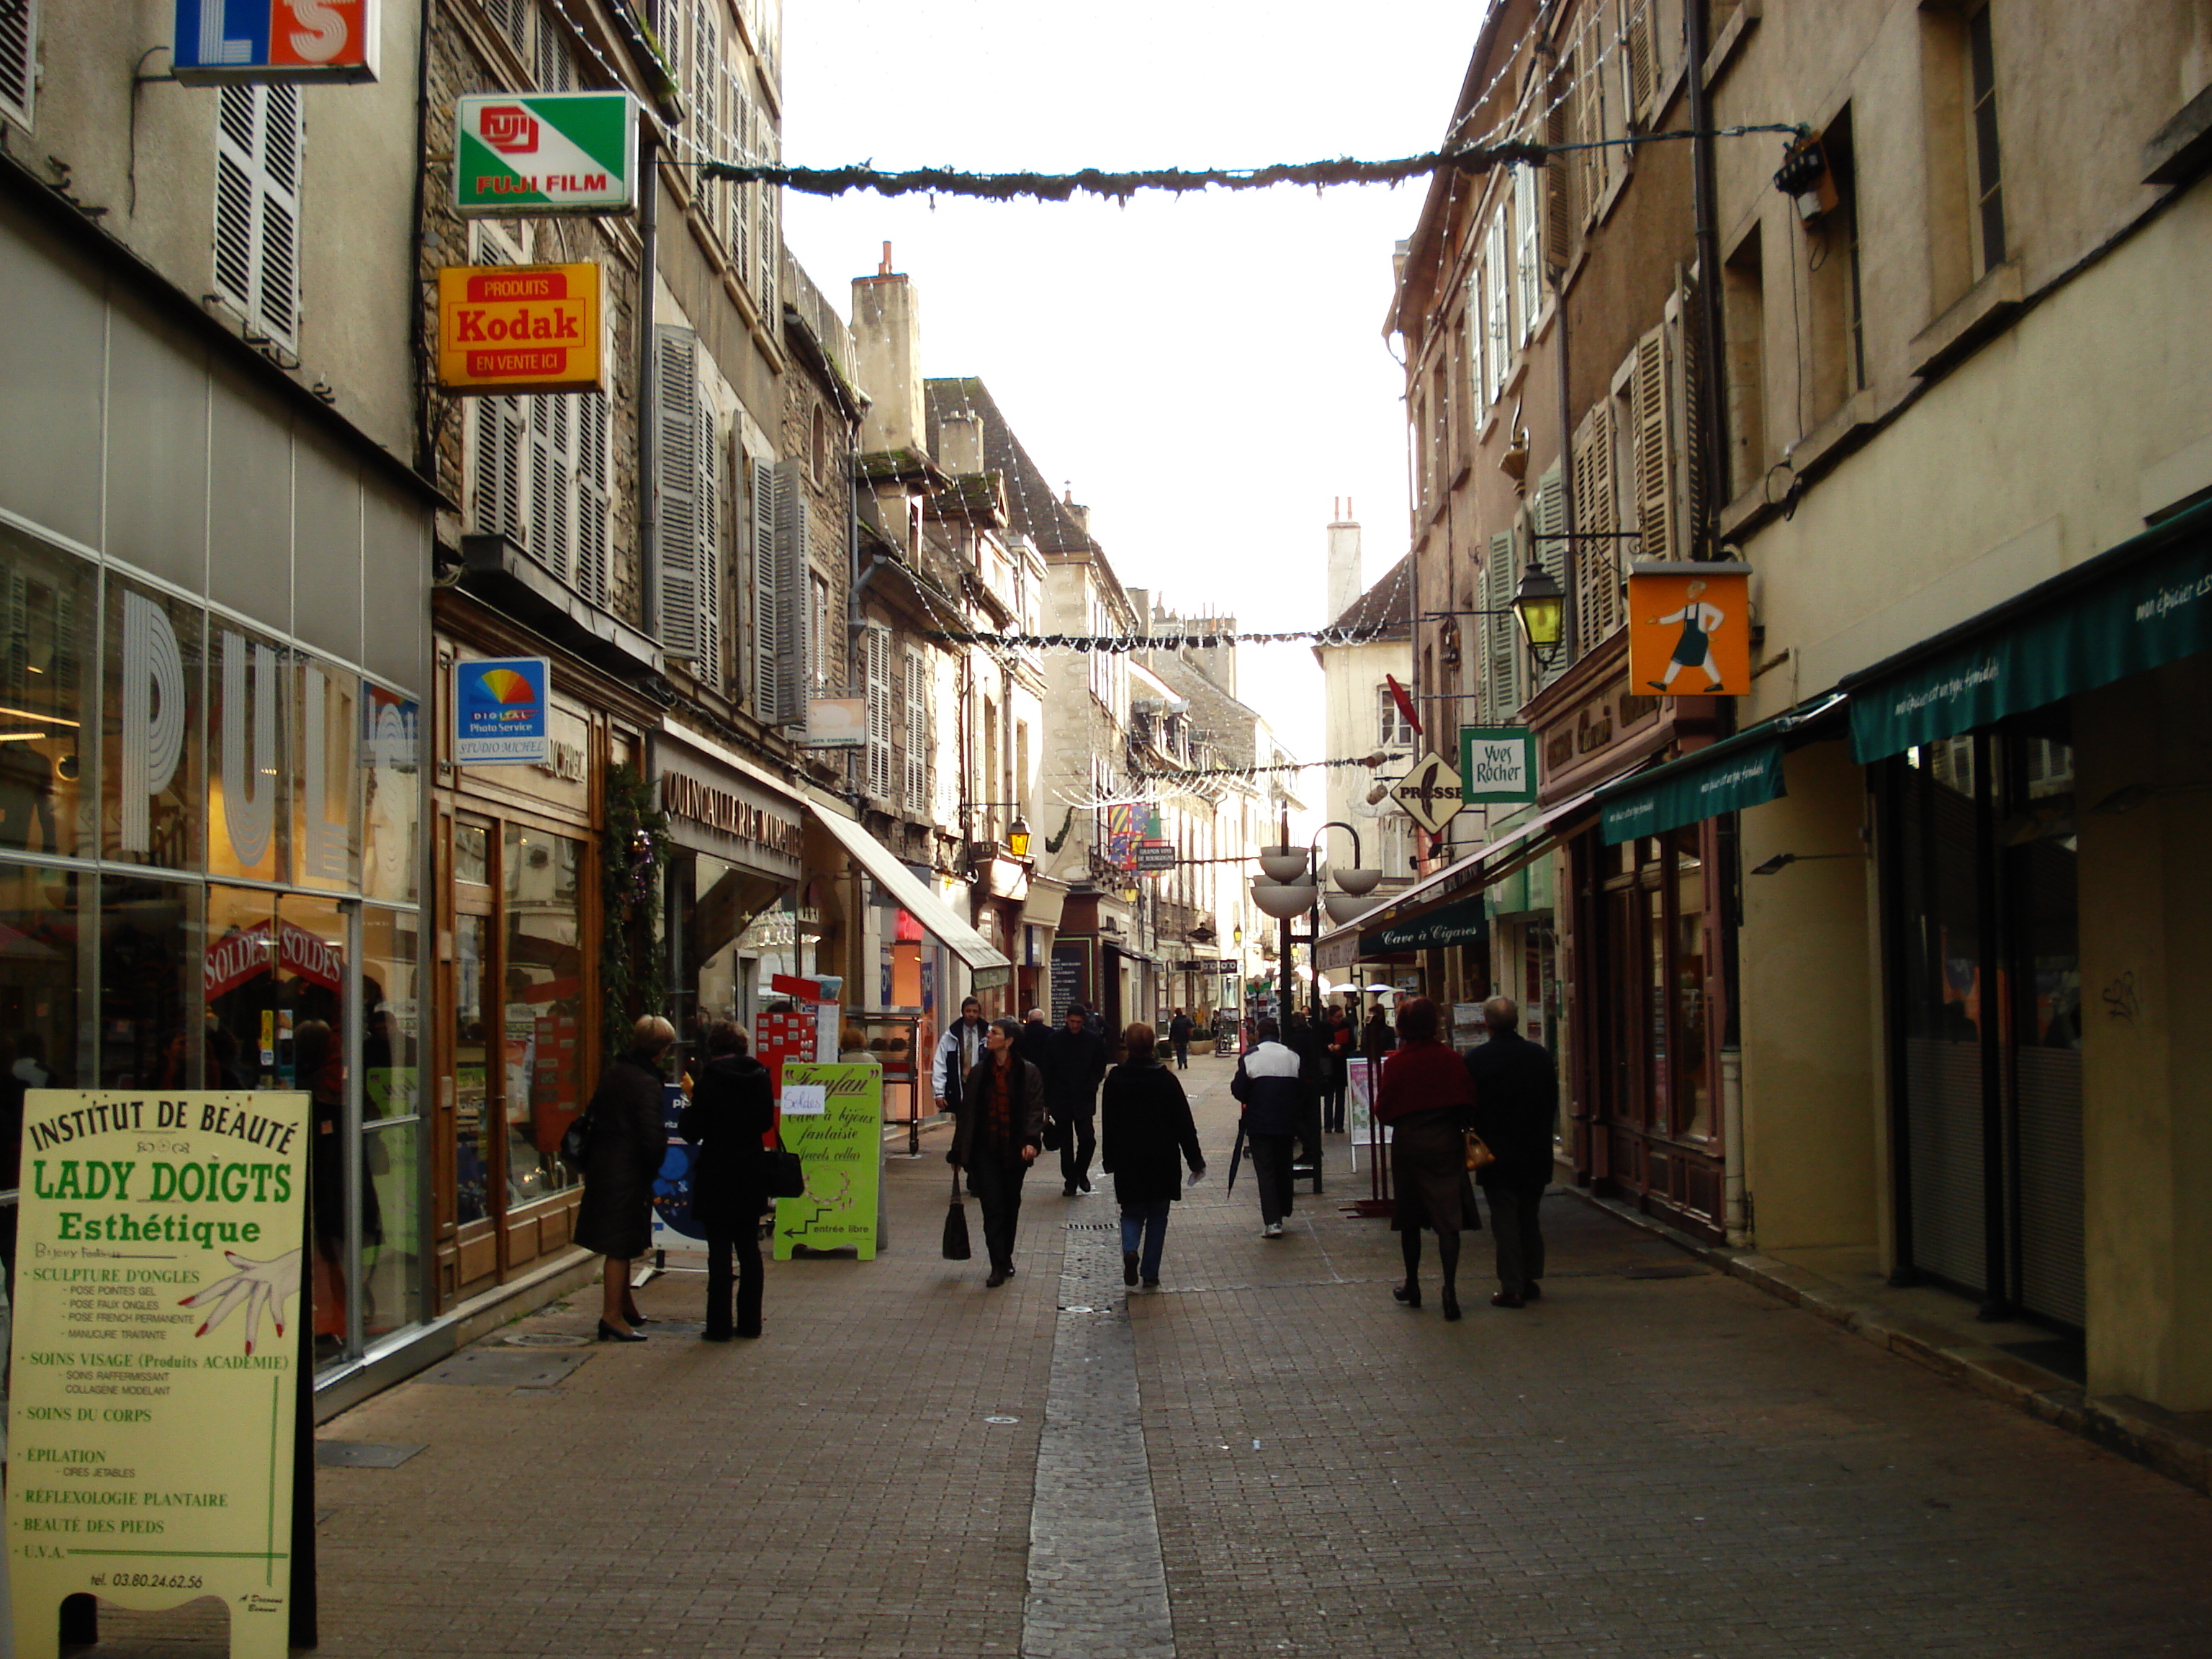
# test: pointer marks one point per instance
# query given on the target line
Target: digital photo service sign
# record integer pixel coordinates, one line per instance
(266, 41)
(155, 1353)
(521, 328)
(1497, 763)
(500, 712)
(538, 153)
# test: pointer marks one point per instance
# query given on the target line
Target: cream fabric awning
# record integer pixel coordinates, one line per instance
(936, 916)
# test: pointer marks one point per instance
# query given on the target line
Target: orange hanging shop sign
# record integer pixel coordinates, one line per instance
(521, 328)
(1689, 630)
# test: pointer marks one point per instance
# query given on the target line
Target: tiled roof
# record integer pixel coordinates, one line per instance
(1033, 508)
(1388, 605)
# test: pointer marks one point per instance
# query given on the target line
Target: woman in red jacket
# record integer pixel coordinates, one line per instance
(1427, 1100)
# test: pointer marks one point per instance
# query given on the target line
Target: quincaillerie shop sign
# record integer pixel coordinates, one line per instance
(744, 826)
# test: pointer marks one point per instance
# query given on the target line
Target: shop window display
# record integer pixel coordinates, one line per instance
(391, 1127)
(44, 653)
(471, 1077)
(543, 1013)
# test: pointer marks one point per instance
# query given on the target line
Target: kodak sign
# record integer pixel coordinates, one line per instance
(519, 328)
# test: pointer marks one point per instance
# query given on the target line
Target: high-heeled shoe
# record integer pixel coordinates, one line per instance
(1406, 1296)
(1451, 1306)
(616, 1333)
(631, 1317)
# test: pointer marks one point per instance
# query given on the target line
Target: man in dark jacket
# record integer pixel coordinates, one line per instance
(1271, 1085)
(1072, 1069)
(1179, 1031)
(1516, 1105)
(957, 1051)
(1035, 1044)
(732, 1108)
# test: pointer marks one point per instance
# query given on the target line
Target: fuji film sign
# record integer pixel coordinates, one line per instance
(534, 154)
(519, 328)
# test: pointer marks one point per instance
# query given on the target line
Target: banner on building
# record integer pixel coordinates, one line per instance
(500, 712)
(155, 1352)
(248, 40)
(1122, 836)
(832, 1117)
(1689, 628)
(540, 153)
(506, 329)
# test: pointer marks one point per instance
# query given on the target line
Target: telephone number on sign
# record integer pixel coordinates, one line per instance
(155, 1580)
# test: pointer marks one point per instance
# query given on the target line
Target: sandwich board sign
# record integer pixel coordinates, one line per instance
(155, 1358)
(528, 154)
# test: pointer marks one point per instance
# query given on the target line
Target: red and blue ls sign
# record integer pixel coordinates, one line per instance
(275, 40)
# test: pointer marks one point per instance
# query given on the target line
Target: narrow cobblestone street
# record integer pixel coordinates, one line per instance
(1657, 1460)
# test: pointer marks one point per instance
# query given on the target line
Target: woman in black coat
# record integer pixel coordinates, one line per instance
(1149, 1137)
(733, 1106)
(629, 1140)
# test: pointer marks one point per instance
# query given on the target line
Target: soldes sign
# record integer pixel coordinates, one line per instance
(266, 41)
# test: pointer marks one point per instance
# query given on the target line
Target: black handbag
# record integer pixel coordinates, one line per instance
(784, 1175)
(576, 1142)
(956, 1225)
(1054, 1134)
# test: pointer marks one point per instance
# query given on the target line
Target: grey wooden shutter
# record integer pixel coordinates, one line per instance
(257, 208)
(1551, 549)
(594, 486)
(876, 655)
(18, 63)
(709, 564)
(793, 598)
(549, 493)
(917, 750)
(765, 242)
(1502, 651)
(1650, 401)
(767, 489)
(676, 488)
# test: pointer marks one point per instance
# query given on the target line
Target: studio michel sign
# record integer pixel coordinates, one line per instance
(519, 328)
(545, 153)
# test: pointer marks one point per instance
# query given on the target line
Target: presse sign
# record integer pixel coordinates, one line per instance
(519, 328)
(545, 153)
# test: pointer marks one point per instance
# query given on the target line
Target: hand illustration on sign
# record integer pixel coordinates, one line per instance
(256, 1285)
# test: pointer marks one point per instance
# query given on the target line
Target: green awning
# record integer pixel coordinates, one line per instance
(2131, 609)
(1692, 789)
(1462, 921)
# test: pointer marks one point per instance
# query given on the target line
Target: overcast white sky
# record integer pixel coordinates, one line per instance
(1208, 373)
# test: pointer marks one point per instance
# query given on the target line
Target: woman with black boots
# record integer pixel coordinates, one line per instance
(731, 1109)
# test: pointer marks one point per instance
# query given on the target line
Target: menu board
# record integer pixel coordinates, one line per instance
(832, 1118)
(155, 1355)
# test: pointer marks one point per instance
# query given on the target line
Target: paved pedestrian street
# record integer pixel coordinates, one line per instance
(1265, 1456)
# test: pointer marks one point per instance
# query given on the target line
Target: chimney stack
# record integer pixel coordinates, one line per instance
(1345, 583)
(887, 347)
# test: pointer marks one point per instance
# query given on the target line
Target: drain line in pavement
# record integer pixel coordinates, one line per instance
(1098, 1588)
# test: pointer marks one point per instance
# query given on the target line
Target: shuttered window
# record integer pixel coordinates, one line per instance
(540, 471)
(18, 63)
(1597, 562)
(781, 521)
(875, 657)
(1528, 294)
(918, 734)
(1496, 279)
(766, 240)
(764, 586)
(687, 518)
(1651, 405)
(1550, 525)
(1502, 647)
(1639, 66)
(257, 208)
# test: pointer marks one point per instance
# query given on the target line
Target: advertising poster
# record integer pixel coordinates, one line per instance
(673, 1227)
(155, 1355)
(1358, 1104)
(832, 1117)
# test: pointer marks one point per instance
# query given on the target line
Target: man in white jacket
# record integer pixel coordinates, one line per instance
(957, 1051)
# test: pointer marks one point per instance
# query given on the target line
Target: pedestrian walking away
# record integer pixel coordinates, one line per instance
(731, 1111)
(957, 1051)
(1035, 1045)
(1426, 1101)
(1377, 1039)
(1074, 1063)
(1179, 1033)
(1516, 1107)
(629, 1140)
(1149, 1141)
(1001, 1130)
(1271, 1085)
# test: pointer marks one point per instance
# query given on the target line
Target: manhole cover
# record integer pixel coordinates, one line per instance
(1002, 1419)
(362, 1455)
(494, 1368)
(546, 1340)
(1077, 1307)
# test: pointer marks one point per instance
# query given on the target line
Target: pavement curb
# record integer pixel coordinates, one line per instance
(2133, 1429)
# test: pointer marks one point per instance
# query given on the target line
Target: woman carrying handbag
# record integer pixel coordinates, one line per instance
(731, 1109)
(1427, 1102)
